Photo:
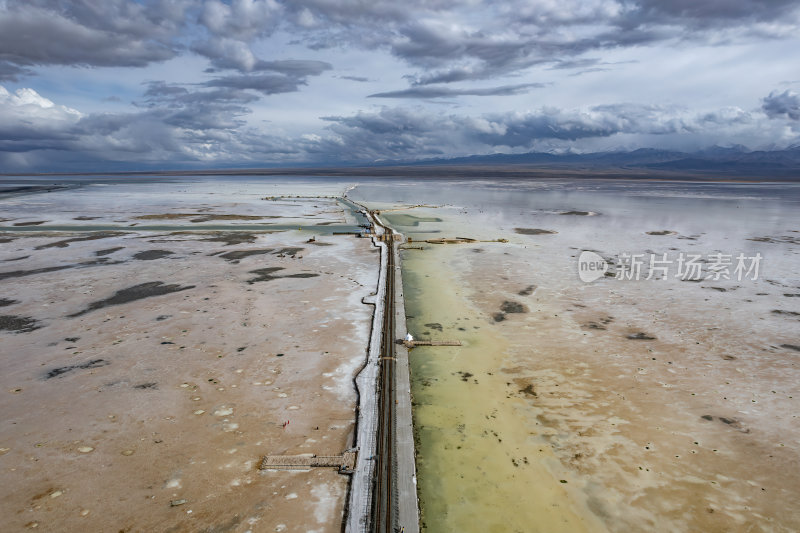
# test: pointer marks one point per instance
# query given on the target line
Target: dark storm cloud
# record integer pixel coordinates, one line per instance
(730, 116)
(236, 55)
(575, 64)
(450, 55)
(313, 13)
(359, 79)
(12, 72)
(160, 93)
(226, 54)
(445, 92)
(782, 105)
(263, 83)
(240, 19)
(294, 67)
(273, 77)
(446, 40)
(709, 12)
(108, 33)
(527, 34)
(397, 133)
(231, 29)
(160, 90)
(519, 130)
(203, 110)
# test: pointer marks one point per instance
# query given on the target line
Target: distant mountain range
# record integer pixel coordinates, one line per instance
(716, 160)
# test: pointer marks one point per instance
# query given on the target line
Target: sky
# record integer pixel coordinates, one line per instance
(122, 85)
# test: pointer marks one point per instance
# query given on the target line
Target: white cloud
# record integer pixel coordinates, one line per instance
(27, 118)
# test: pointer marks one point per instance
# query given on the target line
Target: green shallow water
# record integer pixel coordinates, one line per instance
(479, 467)
(326, 230)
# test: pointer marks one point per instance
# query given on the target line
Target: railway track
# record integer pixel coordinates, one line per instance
(384, 494)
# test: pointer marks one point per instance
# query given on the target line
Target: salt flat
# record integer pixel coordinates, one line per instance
(152, 370)
(609, 405)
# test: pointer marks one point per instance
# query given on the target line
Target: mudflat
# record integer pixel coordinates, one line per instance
(144, 375)
(609, 405)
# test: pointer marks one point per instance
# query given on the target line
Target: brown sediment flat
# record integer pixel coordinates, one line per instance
(534, 231)
(264, 274)
(782, 239)
(101, 261)
(237, 255)
(640, 336)
(527, 291)
(201, 217)
(231, 239)
(18, 324)
(108, 251)
(579, 213)
(131, 294)
(60, 371)
(66, 242)
(35, 223)
(151, 417)
(509, 307)
(152, 255)
(267, 274)
(23, 273)
(289, 250)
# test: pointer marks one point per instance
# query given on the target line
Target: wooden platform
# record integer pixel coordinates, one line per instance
(345, 463)
(412, 344)
(455, 240)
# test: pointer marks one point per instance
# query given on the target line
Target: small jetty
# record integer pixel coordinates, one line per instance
(344, 463)
(421, 342)
(450, 240)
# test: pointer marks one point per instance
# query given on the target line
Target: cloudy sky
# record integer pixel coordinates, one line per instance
(114, 84)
